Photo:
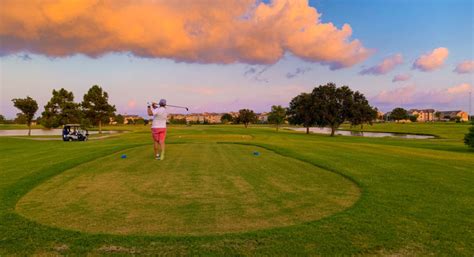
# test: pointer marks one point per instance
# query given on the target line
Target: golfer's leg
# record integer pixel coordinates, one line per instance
(155, 147)
(162, 145)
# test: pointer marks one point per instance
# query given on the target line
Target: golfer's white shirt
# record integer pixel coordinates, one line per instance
(159, 117)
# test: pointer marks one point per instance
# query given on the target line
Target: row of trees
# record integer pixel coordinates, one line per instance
(326, 106)
(61, 109)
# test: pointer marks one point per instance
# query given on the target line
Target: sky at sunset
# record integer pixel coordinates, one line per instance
(220, 56)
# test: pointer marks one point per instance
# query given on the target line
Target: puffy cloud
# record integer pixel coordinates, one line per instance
(465, 67)
(396, 96)
(385, 66)
(401, 77)
(410, 96)
(431, 61)
(462, 88)
(246, 31)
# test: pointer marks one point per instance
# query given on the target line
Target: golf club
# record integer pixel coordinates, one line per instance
(176, 106)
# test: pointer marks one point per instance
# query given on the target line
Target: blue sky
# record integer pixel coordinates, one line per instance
(409, 28)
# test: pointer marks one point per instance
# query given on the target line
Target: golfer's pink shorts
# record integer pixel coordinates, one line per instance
(158, 134)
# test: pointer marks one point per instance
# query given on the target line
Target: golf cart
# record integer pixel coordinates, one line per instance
(73, 132)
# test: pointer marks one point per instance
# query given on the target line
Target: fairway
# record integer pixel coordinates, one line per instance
(212, 196)
(199, 189)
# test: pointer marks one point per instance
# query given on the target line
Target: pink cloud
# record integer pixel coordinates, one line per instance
(462, 88)
(396, 96)
(431, 61)
(411, 96)
(387, 65)
(465, 67)
(401, 77)
(131, 104)
(245, 31)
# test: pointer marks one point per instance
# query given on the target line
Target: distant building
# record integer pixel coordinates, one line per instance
(380, 116)
(451, 115)
(423, 114)
(130, 118)
(262, 117)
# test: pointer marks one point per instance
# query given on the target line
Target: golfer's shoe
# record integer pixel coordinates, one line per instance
(162, 157)
(157, 157)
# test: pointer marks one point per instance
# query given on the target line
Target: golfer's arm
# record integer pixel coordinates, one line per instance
(148, 109)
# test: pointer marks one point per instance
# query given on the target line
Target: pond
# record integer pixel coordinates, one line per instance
(45, 132)
(364, 134)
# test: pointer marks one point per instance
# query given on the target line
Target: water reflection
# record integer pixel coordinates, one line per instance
(363, 133)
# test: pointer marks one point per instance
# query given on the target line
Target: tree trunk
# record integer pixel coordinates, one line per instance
(333, 129)
(29, 129)
(246, 124)
(100, 126)
(307, 130)
(277, 127)
(361, 126)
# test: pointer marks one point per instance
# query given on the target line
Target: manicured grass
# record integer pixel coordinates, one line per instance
(199, 189)
(416, 196)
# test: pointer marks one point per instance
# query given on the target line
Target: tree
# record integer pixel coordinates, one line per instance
(226, 118)
(247, 116)
(361, 112)
(438, 116)
(399, 114)
(332, 105)
(119, 119)
(300, 111)
(140, 121)
(277, 115)
(28, 106)
(413, 118)
(96, 107)
(469, 137)
(61, 110)
(20, 119)
(2, 119)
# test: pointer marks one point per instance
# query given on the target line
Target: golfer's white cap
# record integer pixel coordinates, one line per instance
(162, 102)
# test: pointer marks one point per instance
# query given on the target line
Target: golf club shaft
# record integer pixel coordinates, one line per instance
(176, 106)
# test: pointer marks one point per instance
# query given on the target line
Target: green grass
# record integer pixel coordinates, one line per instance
(416, 196)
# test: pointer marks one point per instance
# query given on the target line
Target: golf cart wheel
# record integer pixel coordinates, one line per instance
(70, 139)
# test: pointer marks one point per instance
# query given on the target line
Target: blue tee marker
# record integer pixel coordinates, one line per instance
(124, 156)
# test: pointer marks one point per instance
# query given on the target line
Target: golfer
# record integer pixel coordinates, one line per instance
(158, 127)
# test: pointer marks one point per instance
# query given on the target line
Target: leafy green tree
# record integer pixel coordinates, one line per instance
(277, 115)
(140, 121)
(28, 106)
(2, 119)
(469, 137)
(226, 118)
(300, 111)
(399, 114)
(61, 110)
(247, 116)
(437, 115)
(119, 119)
(361, 112)
(413, 118)
(96, 106)
(20, 118)
(332, 105)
